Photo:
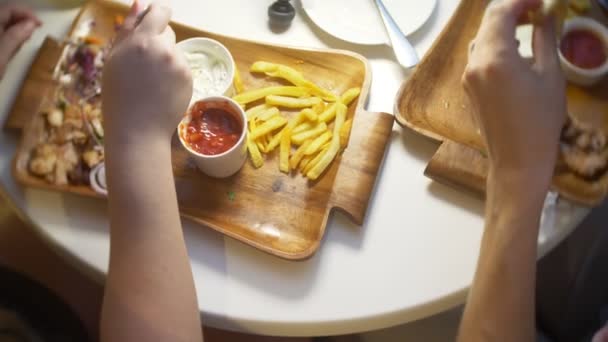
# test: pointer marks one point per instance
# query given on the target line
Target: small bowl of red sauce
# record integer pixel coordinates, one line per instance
(583, 51)
(214, 132)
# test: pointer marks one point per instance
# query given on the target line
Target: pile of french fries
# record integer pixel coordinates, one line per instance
(308, 141)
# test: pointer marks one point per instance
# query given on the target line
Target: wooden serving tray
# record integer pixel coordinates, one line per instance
(281, 214)
(459, 166)
(433, 103)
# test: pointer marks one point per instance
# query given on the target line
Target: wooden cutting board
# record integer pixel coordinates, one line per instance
(433, 103)
(281, 214)
(466, 168)
(459, 166)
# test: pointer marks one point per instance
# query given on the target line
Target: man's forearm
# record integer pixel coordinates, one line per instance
(149, 290)
(501, 304)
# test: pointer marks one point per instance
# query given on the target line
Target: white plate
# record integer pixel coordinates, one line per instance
(358, 21)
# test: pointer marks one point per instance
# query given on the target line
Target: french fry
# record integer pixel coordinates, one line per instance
(293, 76)
(265, 67)
(314, 172)
(238, 82)
(253, 126)
(329, 113)
(350, 95)
(311, 165)
(319, 108)
(297, 157)
(284, 150)
(274, 141)
(304, 162)
(286, 139)
(345, 133)
(260, 146)
(317, 130)
(290, 102)
(268, 113)
(316, 144)
(265, 140)
(254, 111)
(304, 126)
(254, 153)
(274, 123)
(310, 115)
(254, 95)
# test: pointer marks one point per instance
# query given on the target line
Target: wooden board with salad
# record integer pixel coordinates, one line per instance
(281, 213)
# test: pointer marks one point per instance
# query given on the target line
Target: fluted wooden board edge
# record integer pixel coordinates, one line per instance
(432, 98)
(284, 215)
(465, 168)
(459, 166)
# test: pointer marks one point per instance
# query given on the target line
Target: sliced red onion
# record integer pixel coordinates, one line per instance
(97, 178)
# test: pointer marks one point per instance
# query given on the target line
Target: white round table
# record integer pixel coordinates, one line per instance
(414, 257)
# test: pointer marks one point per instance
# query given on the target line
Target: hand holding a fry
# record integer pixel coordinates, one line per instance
(520, 107)
(147, 84)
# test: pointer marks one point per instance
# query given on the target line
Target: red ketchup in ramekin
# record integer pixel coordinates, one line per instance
(212, 130)
(584, 49)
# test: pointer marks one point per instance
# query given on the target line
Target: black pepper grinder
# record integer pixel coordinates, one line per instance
(281, 13)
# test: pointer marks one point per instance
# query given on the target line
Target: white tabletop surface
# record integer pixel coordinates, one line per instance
(414, 256)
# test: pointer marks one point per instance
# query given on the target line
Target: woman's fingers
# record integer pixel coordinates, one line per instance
(544, 46)
(13, 13)
(130, 22)
(12, 39)
(155, 21)
(500, 21)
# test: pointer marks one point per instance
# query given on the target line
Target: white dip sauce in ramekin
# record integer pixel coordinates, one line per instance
(211, 65)
(209, 74)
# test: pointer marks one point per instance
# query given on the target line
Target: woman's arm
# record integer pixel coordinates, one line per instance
(520, 107)
(149, 294)
(501, 302)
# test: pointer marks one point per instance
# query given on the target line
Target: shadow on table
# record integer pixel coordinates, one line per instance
(423, 149)
(417, 145)
(206, 247)
(457, 198)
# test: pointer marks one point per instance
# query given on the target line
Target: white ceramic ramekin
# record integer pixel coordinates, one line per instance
(578, 75)
(218, 51)
(227, 163)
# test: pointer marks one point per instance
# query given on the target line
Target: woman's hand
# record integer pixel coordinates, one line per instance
(17, 23)
(520, 105)
(146, 84)
(602, 335)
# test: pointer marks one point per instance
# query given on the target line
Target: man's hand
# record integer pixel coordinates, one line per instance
(520, 105)
(17, 23)
(146, 84)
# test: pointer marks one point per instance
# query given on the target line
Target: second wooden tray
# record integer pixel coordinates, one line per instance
(433, 103)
